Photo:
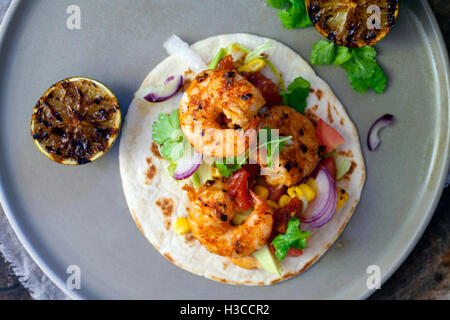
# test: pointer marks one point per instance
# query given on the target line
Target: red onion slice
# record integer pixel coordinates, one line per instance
(188, 164)
(322, 208)
(373, 139)
(170, 88)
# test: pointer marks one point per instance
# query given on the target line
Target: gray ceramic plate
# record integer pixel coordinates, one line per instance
(78, 216)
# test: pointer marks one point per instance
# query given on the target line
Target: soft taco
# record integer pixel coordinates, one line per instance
(208, 191)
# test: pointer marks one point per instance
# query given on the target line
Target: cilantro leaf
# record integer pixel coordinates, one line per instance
(294, 14)
(363, 70)
(227, 167)
(274, 148)
(360, 68)
(278, 4)
(274, 145)
(365, 53)
(292, 239)
(171, 168)
(363, 63)
(167, 133)
(358, 84)
(377, 82)
(324, 52)
(172, 150)
(343, 54)
(296, 94)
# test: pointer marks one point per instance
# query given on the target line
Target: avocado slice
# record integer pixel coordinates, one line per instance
(240, 217)
(204, 173)
(268, 260)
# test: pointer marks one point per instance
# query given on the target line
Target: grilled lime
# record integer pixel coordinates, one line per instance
(76, 121)
(353, 23)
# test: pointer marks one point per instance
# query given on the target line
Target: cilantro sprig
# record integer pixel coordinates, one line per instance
(293, 14)
(363, 70)
(229, 166)
(296, 94)
(274, 145)
(168, 135)
(292, 239)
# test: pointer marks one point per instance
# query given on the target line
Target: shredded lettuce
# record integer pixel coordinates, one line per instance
(251, 55)
(219, 56)
(257, 53)
(280, 80)
(171, 168)
(196, 179)
(229, 49)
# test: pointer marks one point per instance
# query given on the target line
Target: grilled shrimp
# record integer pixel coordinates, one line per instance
(298, 159)
(210, 213)
(217, 112)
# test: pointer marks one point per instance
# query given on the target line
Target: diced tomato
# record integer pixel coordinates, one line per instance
(291, 253)
(294, 252)
(252, 169)
(283, 215)
(328, 136)
(226, 63)
(269, 90)
(238, 189)
(330, 164)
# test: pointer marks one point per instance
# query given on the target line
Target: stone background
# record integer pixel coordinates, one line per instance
(424, 275)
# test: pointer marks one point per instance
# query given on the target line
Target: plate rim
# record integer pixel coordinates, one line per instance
(4, 202)
(442, 54)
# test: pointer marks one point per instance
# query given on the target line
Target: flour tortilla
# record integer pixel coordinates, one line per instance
(156, 200)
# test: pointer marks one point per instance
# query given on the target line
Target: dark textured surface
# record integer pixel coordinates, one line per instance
(426, 272)
(424, 275)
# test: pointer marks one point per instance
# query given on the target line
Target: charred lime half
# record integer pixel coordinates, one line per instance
(353, 23)
(76, 121)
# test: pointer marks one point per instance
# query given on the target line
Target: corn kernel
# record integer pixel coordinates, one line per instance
(342, 198)
(291, 192)
(273, 204)
(257, 65)
(253, 66)
(284, 201)
(308, 192)
(297, 192)
(312, 183)
(182, 227)
(244, 68)
(262, 192)
(237, 53)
